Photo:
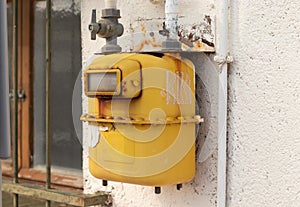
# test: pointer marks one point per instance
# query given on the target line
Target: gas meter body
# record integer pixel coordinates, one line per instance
(141, 115)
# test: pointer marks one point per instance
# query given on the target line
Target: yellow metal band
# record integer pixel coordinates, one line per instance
(121, 120)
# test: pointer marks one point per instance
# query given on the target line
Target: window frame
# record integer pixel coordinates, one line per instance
(25, 108)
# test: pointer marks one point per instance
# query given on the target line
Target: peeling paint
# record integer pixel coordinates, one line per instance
(148, 35)
(200, 36)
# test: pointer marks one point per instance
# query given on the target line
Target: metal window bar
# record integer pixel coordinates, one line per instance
(48, 194)
(16, 121)
(48, 97)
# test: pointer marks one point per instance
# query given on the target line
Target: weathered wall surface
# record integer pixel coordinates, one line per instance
(264, 81)
(264, 104)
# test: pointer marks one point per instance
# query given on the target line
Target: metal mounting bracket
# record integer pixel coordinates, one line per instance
(221, 60)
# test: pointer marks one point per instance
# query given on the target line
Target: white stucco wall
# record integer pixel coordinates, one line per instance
(264, 104)
(263, 123)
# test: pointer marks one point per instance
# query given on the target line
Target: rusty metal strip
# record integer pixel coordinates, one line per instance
(59, 196)
(169, 120)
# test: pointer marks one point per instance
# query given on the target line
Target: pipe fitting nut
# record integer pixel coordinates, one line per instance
(111, 13)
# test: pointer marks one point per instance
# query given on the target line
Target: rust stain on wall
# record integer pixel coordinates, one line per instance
(145, 42)
(147, 38)
(148, 35)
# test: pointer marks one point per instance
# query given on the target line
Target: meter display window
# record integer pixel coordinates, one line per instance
(103, 82)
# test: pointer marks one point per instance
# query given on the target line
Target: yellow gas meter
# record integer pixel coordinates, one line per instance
(141, 114)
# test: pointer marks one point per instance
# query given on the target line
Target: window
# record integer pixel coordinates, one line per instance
(66, 65)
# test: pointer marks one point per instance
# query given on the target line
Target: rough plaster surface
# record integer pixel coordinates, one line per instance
(264, 104)
(263, 123)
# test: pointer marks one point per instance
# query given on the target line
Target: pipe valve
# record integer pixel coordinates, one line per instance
(108, 27)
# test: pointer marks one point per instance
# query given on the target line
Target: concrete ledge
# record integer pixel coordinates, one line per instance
(59, 196)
